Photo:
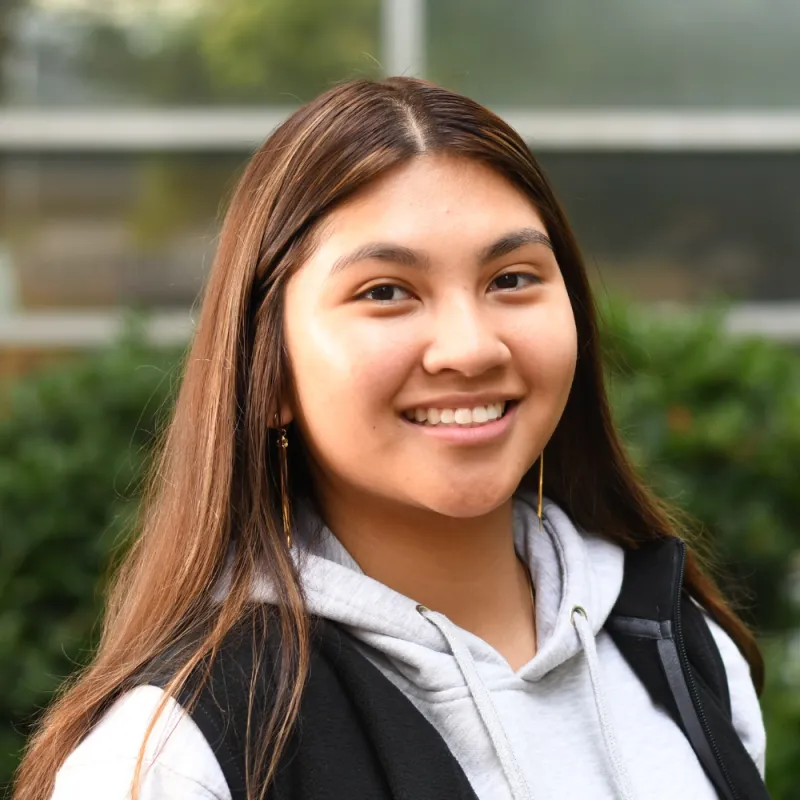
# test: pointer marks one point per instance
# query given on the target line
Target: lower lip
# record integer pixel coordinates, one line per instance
(478, 434)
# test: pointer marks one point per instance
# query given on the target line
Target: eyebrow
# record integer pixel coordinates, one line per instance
(397, 254)
(513, 241)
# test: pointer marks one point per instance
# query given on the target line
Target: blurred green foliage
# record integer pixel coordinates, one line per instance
(250, 47)
(712, 421)
(269, 52)
(547, 54)
(9, 12)
(73, 443)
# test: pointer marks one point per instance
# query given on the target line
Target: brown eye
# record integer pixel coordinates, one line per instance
(385, 293)
(510, 281)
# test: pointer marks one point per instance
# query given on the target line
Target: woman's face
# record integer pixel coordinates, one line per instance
(432, 303)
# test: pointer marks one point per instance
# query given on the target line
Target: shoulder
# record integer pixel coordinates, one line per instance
(747, 718)
(178, 762)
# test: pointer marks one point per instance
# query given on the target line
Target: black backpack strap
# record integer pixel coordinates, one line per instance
(415, 760)
(357, 735)
(665, 639)
(704, 656)
(220, 709)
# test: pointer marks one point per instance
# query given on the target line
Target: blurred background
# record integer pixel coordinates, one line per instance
(670, 131)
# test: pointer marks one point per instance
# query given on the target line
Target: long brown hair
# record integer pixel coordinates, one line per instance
(214, 484)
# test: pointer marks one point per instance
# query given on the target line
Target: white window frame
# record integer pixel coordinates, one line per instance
(71, 330)
(35, 131)
(48, 131)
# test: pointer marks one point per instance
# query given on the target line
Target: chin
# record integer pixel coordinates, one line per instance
(466, 503)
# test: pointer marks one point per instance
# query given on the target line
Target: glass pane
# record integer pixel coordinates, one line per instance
(686, 226)
(567, 53)
(562, 53)
(93, 232)
(140, 231)
(183, 52)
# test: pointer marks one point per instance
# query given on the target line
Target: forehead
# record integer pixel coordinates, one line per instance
(432, 197)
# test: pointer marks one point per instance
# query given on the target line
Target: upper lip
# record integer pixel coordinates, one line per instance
(462, 400)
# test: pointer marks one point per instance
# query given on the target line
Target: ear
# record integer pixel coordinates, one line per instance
(283, 417)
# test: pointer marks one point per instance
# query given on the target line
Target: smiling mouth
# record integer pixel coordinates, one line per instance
(460, 417)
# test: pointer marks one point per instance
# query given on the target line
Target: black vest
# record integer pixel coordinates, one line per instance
(358, 736)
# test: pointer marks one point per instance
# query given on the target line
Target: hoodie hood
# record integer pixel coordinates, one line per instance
(577, 578)
(569, 568)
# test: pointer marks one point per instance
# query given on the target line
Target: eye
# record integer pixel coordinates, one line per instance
(512, 281)
(385, 293)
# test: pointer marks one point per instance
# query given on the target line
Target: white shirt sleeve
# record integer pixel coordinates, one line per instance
(178, 765)
(747, 718)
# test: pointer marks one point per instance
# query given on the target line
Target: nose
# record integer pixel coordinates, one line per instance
(464, 340)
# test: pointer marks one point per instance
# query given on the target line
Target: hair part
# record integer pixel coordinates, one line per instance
(214, 488)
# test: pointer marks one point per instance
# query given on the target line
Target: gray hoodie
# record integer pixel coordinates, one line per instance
(574, 722)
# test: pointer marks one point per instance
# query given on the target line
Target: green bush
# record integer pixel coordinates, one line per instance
(713, 422)
(73, 441)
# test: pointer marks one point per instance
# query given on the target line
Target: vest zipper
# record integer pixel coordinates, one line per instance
(690, 678)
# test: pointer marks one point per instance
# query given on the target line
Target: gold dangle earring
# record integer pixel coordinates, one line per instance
(541, 485)
(283, 444)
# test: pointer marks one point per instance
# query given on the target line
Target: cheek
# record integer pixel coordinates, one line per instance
(345, 370)
(552, 352)
(346, 382)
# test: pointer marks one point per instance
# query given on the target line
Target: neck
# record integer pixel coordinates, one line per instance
(466, 569)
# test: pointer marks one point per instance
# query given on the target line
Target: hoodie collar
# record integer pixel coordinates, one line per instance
(569, 566)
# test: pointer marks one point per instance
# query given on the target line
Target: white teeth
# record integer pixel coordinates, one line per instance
(463, 416)
(478, 415)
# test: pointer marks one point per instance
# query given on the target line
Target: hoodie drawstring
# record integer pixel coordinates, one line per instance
(483, 702)
(622, 782)
(491, 721)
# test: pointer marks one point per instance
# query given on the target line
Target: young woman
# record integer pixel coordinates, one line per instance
(348, 578)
